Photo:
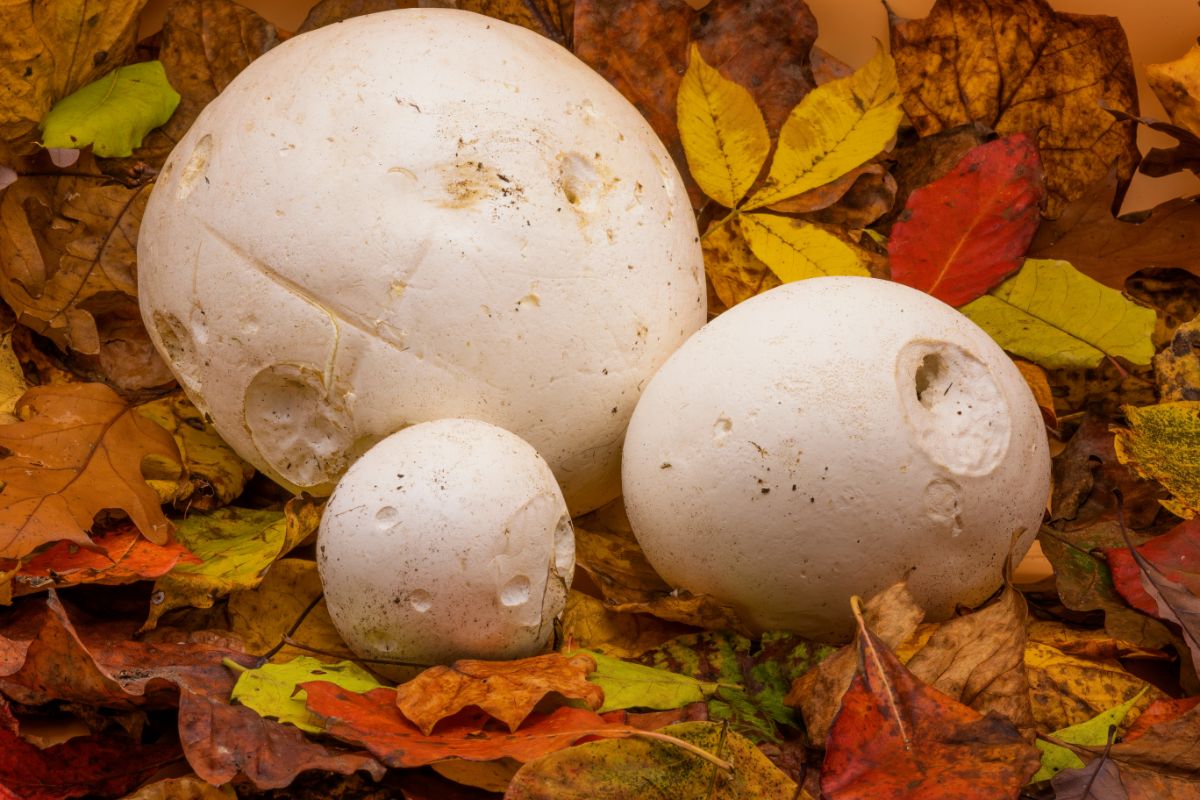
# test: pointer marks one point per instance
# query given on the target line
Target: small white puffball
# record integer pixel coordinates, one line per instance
(828, 438)
(414, 215)
(447, 540)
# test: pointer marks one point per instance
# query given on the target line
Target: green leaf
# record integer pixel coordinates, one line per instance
(795, 250)
(1054, 315)
(114, 113)
(836, 127)
(630, 685)
(1162, 443)
(1093, 733)
(271, 689)
(724, 136)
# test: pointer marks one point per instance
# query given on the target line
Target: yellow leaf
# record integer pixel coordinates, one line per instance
(1054, 315)
(590, 624)
(1067, 690)
(1177, 84)
(795, 250)
(12, 380)
(735, 272)
(835, 128)
(722, 130)
(1162, 443)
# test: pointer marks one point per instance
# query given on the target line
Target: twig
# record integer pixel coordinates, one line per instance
(295, 627)
(388, 661)
(712, 785)
(681, 744)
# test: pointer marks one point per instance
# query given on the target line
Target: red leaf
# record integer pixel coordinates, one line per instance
(897, 738)
(371, 720)
(966, 232)
(1160, 711)
(1176, 554)
(102, 765)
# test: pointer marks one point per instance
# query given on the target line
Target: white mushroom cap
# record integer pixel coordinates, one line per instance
(419, 214)
(828, 438)
(447, 540)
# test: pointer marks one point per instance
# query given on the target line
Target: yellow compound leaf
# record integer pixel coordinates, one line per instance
(1162, 443)
(835, 128)
(795, 250)
(1055, 316)
(723, 132)
(735, 272)
(1177, 84)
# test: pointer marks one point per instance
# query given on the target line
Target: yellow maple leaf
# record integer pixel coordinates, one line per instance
(1162, 443)
(795, 250)
(836, 128)
(1055, 316)
(724, 136)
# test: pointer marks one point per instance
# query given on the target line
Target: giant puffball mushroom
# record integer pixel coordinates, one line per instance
(447, 540)
(828, 438)
(412, 215)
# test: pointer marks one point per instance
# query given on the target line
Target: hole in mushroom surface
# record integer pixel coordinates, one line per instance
(193, 170)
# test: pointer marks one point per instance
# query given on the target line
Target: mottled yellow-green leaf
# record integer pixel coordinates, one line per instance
(630, 685)
(1068, 690)
(835, 128)
(112, 114)
(236, 547)
(795, 250)
(1162, 443)
(1054, 315)
(723, 132)
(271, 689)
(1093, 732)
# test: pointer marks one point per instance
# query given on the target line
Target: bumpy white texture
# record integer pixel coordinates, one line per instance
(828, 438)
(412, 215)
(449, 539)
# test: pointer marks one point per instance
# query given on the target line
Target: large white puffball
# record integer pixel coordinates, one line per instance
(828, 438)
(412, 215)
(447, 540)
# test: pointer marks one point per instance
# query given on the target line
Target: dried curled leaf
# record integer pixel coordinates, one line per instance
(1019, 66)
(78, 452)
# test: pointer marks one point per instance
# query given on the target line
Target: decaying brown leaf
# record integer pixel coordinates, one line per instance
(1163, 762)
(78, 452)
(1087, 471)
(505, 690)
(921, 162)
(327, 12)
(588, 623)
(1067, 690)
(1017, 65)
(551, 18)
(1177, 368)
(734, 272)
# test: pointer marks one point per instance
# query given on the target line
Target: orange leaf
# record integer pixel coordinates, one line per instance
(372, 721)
(896, 737)
(505, 690)
(78, 452)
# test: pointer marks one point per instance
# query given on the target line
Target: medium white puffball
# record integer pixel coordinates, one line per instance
(828, 438)
(412, 215)
(447, 540)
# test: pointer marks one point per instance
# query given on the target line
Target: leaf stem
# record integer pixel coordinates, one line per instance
(688, 746)
(233, 665)
(720, 223)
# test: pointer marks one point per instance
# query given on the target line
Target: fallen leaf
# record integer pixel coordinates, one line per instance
(1089, 643)
(1099, 780)
(236, 547)
(1055, 316)
(373, 721)
(1162, 443)
(491, 776)
(966, 232)
(629, 685)
(1177, 85)
(272, 689)
(871, 195)
(1067, 690)
(917, 162)
(186, 788)
(1109, 249)
(796, 250)
(1162, 762)
(53, 48)
(641, 47)
(1161, 710)
(327, 12)
(735, 273)
(1177, 367)
(895, 737)
(632, 769)
(261, 616)
(1094, 731)
(78, 452)
(1039, 387)
(12, 380)
(1019, 66)
(1175, 554)
(112, 114)
(225, 742)
(122, 555)
(550, 18)
(894, 616)
(505, 690)
(751, 678)
(589, 624)
(836, 128)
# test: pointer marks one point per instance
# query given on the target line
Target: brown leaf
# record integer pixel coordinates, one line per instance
(225, 742)
(505, 690)
(1163, 762)
(1039, 386)
(1177, 368)
(589, 624)
(1099, 780)
(1108, 248)
(1088, 643)
(1018, 66)
(1087, 471)
(871, 195)
(1177, 85)
(734, 272)
(53, 48)
(1066, 690)
(979, 660)
(551, 18)
(327, 12)
(894, 615)
(186, 788)
(641, 47)
(918, 163)
(78, 452)
(1163, 710)
(896, 737)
